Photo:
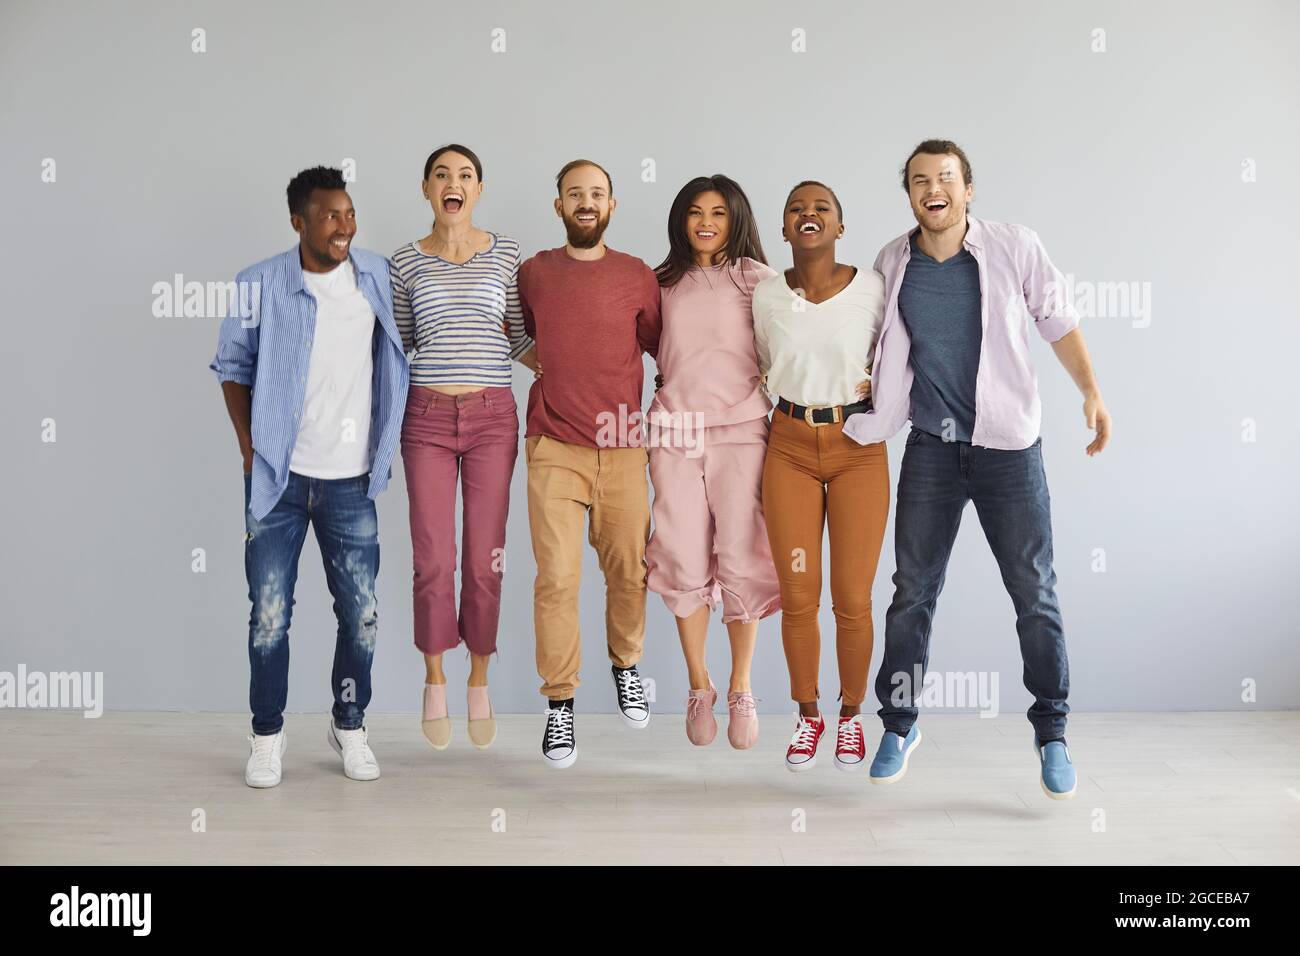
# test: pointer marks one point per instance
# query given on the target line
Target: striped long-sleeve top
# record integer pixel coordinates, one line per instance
(460, 323)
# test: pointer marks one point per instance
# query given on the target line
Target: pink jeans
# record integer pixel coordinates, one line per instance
(476, 435)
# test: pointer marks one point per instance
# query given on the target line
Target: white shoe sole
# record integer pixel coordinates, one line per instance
(284, 745)
(563, 763)
(338, 749)
(633, 723)
(848, 767)
(907, 755)
(801, 767)
(1043, 784)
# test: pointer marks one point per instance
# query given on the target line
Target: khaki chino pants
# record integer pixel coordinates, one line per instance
(567, 486)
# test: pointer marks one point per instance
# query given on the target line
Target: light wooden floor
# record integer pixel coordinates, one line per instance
(1220, 788)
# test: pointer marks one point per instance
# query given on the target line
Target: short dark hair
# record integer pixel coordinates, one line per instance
(839, 210)
(939, 147)
(569, 167)
(454, 148)
(301, 186)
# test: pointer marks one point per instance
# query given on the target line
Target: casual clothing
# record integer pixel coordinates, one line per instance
(347, 532)
(567, 485)
(709, 544)
(592, 320)
(816, 353)
(454, 317)
(271, 351)
(814, 477)
(1009, 489)
(939, 302)
(476, 437)
(1000, 468)
(464, 323)
(1016, 278)
(334, 436)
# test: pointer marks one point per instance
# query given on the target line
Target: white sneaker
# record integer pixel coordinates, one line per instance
(359, 761)
(263, 768)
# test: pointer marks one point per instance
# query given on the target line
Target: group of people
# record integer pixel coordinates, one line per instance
(775, 393)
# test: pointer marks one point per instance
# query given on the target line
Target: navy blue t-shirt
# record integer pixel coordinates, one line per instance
(940, 304)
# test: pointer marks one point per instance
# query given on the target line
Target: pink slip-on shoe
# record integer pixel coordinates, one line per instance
(482, 722)
(701, 727)
(434, 720)
(742, 720)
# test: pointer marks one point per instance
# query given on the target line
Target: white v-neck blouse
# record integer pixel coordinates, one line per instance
(816, 353)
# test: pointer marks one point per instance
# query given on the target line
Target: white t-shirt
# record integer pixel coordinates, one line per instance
(334, 432)
(816, 353)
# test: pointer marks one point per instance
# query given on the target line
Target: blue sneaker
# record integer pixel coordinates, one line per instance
(891, 756)
(1058, 778)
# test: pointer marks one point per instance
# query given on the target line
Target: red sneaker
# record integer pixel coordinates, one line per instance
(850, 745)
(802, 753)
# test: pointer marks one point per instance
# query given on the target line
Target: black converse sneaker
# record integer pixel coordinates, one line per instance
(632, 703)
(558, 746)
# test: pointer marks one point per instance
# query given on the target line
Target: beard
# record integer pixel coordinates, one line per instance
(952, 217)
(585, 237)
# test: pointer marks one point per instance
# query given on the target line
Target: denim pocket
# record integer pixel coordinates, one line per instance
(914, 436)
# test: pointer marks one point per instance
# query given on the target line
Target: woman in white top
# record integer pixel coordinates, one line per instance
(815, 329)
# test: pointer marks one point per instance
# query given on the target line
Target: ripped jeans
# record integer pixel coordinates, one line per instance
(347, 531)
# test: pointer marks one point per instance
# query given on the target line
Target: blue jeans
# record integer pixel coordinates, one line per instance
(1009, 489)
(347, 531)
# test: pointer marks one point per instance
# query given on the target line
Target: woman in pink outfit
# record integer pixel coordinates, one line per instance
(707, 433)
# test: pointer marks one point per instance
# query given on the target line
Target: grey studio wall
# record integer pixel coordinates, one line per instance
(1163, 164)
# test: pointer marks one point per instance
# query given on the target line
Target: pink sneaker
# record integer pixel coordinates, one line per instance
(701, 727)
(742, 720)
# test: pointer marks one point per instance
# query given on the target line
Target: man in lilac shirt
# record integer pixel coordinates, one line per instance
(953, 357)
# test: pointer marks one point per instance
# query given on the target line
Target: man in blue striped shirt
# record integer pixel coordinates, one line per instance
(311, 365)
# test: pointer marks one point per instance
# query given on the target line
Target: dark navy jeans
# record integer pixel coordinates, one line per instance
(1009, 489)
(347, 531)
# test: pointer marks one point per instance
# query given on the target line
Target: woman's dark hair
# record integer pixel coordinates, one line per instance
(839, 210)
(742, 233)
(454, 148)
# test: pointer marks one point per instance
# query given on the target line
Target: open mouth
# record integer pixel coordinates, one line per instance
(809, 227)
(452, 203)
(936, 205)
(585, 218)
(340, 244)
(704, 235)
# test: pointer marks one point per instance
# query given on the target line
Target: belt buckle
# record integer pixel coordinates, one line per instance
(808, 415)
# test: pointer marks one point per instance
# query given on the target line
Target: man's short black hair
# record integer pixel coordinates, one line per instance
(318, 177)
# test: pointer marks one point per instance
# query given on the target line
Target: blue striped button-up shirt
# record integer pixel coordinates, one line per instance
(265, 342)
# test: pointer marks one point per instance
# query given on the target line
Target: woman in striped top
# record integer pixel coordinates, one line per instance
(456, 303)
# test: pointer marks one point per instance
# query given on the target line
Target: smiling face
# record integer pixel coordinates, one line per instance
(453, 188)
(812, 219)
(326, 228)
(708, 227)
(937, 192)
(585, 205)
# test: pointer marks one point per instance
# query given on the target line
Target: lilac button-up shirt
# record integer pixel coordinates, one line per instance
(1016, 280)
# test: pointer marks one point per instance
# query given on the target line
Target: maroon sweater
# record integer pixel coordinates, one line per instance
(591, 322)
